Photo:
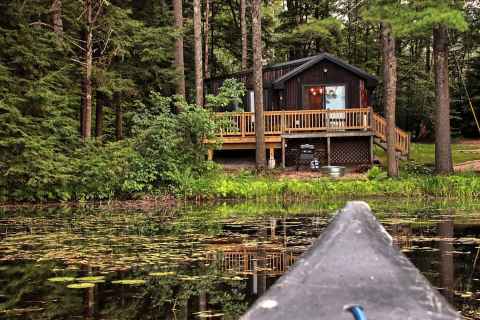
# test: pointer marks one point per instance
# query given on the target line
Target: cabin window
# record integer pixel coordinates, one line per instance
(335, 97)
(324, 97)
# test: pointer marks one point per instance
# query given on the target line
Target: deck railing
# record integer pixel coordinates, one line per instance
(242, 124)
(380, 129)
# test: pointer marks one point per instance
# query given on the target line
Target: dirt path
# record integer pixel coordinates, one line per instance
(473, 165)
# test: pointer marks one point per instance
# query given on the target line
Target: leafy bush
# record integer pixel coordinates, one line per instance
(230, 93)
(415, 168)
(376, 173)
(173, 143)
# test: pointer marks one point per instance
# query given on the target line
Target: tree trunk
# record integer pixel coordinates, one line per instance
(390, 95)
(100, 102)
(118, 117)
(56, 16)
(197, 30)
(205, 32)
(212, 40)
(82, 105)
(258, 84)
(446, 232)
(428, 58)
(243, 26)
(443, 151)
(179, 60)
(88, 65)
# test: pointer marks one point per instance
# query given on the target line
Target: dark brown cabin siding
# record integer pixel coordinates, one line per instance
(316, 75)
(292, 95)
(269, 75)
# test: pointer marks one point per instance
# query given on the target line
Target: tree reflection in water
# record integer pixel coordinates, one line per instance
(198, 265)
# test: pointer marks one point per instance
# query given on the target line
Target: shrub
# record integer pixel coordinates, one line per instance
(376, 173)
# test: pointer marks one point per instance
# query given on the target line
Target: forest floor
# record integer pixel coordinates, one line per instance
(473, 165)
(465, 153)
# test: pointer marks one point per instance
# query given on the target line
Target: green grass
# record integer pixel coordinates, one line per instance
(250, 186)
(417, 181)
(424, 153)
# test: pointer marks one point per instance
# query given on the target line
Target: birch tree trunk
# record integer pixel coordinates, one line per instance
(390, 95)
(197, 31)
(443, 151)
(179, 59)
(258, 84)
(206, 30)
(87, 74)
(243, 26)
(56, 16)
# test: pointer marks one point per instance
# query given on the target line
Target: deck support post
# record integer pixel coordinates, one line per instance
(271, 159)
(328, 151)
(210, 154)
(371, 150)
(283, 152)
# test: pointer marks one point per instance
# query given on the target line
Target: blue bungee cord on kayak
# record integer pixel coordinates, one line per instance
(358, 312)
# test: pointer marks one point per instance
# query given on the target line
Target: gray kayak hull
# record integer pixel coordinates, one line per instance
(353, 262)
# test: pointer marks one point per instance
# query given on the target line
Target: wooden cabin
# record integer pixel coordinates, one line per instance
(319, 100)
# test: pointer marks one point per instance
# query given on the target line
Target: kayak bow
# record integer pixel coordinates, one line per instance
(353, 263)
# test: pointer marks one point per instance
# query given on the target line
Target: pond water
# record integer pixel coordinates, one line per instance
(205, 261)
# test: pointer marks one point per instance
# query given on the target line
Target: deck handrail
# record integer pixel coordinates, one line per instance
(242, 124)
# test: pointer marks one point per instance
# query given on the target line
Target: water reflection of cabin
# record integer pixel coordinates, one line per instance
(320, 100)
(272, 260)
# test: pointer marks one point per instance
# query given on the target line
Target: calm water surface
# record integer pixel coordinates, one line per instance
(200, 262)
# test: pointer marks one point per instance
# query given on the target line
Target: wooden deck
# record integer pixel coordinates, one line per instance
(239, 128)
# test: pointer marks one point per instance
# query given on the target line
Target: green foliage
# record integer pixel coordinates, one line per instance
(376, 173)
(418, 16)
(415, 168)
(172, 144)
(230, 93)
(42, 157)
(326, 31)
(167, 150)
(253, 187)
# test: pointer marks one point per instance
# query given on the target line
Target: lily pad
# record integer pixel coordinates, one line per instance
(130, 282)
(235, 278)
(98, 279)
(82, 285)
(162, 274)
(61, 279)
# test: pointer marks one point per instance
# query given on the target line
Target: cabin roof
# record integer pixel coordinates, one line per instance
(280, 82)
(289, 63)
(304, 64)
(265, 68)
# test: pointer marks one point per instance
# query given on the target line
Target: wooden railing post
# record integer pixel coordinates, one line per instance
(365, 120)
(328, 119)
(371, 116)
(282, 122)
(242, 124)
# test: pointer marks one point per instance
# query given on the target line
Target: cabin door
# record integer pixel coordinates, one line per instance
(313, 97)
